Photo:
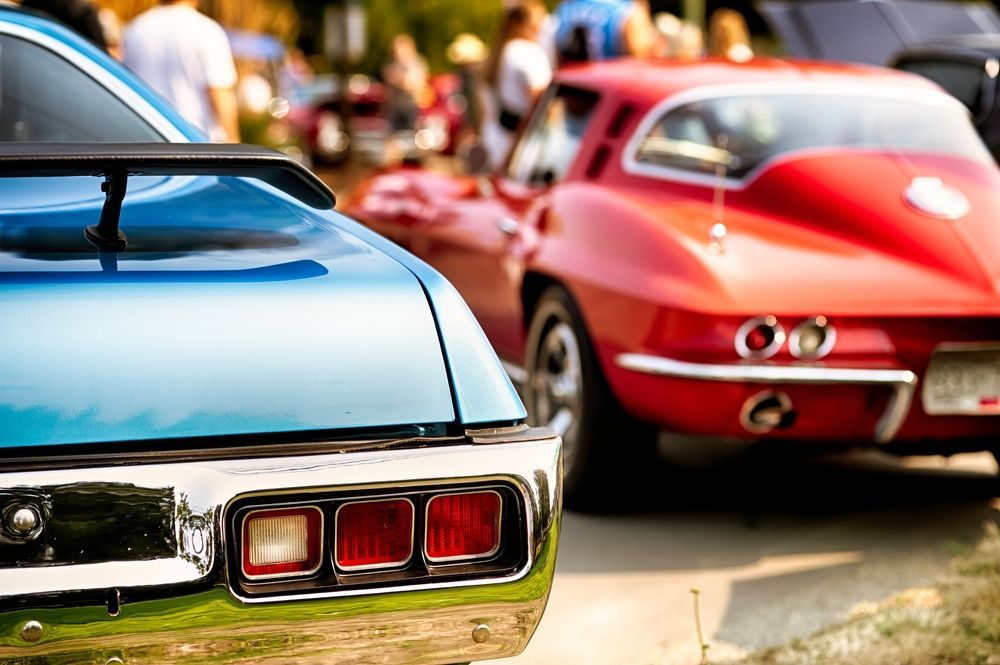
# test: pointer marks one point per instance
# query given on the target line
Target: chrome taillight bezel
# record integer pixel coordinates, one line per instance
(285, 575)
(470, 557)
(824, 349)
(772, 349)
(367, 568)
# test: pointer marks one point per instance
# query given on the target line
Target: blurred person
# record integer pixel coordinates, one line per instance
(690, 42)
(468, 53)
(253, 91)
(185, 56)
(603, 29)
(111, 28)
(667, 34)
(406, 75)
(518, 71)
(728, 36)
(79, 15)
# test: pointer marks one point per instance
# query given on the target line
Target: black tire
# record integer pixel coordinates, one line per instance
(601, 442)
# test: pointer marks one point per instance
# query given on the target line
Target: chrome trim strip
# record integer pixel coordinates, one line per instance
(102, 77)
(374, 566)
(463, 557)
(282, 576)
(204, 490)
(902, 381)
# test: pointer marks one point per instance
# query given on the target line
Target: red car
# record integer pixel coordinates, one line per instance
(772, 250)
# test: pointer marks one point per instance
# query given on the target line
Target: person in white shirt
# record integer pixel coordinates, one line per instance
(185, 56)
(519, 71)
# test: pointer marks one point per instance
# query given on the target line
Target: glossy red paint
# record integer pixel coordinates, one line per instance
(825, 232)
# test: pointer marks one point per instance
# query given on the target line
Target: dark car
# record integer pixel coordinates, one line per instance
(967, 67)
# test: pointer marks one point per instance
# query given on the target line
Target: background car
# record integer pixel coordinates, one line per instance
(767, 251)
(233, 423)
(314, 109)
(967, 67)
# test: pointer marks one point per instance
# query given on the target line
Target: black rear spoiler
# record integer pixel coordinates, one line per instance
(115, 162)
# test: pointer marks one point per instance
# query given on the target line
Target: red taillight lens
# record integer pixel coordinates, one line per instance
(463, 526)
(374, 534)
(285, 542)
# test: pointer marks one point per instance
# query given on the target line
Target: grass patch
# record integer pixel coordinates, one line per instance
(956, 622)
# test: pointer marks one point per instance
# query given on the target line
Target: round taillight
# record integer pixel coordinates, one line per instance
(812, 339)
(760, 337)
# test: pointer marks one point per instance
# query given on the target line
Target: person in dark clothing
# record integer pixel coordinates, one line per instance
(79, 15)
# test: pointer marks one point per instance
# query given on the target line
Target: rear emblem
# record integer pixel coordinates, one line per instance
(933, 198)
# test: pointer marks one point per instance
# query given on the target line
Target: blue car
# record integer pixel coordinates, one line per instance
(234, 424)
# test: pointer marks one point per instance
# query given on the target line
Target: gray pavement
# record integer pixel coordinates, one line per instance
(779, 549)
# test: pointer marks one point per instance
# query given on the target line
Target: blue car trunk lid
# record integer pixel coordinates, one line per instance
(233, 312)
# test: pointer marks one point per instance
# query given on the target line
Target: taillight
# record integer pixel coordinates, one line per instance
(371, 535)
(462, 526)
(759, 338)
(812, 339)
(284, 542)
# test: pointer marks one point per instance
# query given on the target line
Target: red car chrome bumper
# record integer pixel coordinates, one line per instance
(901, 383)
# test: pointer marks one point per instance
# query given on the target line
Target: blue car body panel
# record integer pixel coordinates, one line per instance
(233, 312)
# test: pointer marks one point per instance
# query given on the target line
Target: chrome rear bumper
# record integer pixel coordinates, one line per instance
(902, 382)
(181, 606)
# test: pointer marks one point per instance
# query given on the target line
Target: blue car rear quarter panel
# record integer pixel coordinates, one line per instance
(233, 311)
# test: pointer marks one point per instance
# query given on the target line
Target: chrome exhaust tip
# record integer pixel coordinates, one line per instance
(767, 411)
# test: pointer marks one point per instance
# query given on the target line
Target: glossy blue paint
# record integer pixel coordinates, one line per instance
(86, 51)
(234, 311)
(483, 390)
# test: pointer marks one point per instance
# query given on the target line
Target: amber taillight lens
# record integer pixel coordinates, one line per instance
(463, 526)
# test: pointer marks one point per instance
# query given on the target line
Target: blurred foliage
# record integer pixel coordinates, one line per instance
(433, 23)
(276, 17)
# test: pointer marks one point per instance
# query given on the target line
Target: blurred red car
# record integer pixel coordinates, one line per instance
(762, 251)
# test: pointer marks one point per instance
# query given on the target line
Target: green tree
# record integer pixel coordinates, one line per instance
(433, 23)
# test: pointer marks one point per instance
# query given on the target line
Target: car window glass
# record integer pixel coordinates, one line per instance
(736, 134)
(44, 98)
(964, 80)
(551, 141)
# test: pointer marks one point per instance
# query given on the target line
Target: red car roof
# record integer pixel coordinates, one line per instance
(650, 80)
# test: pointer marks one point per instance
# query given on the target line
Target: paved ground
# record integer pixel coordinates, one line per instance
(778, 549)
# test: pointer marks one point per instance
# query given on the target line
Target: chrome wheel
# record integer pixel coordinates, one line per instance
(557, 386)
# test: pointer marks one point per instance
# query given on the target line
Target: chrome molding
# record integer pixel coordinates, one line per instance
(184, 604)
(903, 382)
(203, 491)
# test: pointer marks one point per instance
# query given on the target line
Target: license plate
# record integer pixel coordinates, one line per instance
(963, 383)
